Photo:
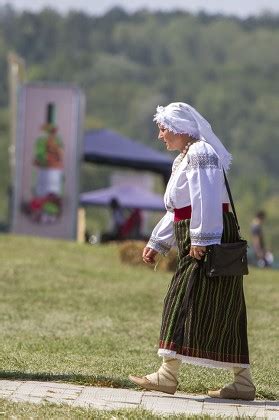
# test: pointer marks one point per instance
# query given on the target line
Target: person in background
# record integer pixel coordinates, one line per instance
(132, 227)
(262, 256)
(123, 227)
(118, 218)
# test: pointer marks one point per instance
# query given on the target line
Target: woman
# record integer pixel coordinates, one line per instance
(204, 319)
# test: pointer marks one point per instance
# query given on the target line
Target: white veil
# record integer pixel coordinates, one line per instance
(181, 118)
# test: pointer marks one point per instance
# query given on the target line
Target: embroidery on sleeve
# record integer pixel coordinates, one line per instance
(203, 161)
(205, 237)
(159, 246)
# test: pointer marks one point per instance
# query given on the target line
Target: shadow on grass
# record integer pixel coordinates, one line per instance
(112, 382)
(93, 380)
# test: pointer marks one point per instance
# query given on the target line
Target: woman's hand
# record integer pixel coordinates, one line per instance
(197, 251)
(149, 255)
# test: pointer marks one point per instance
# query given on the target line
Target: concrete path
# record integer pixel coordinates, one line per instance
(112, 398)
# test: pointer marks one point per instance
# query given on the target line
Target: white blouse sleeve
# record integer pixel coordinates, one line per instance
(205, 177)
(162, 237)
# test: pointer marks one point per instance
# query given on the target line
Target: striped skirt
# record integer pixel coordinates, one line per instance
(204, 319)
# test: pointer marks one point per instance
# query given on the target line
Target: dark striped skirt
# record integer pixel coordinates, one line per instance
(204, 319)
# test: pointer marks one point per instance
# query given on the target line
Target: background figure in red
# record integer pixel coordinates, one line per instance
(123, 228)
(117, 218)
(132, 227)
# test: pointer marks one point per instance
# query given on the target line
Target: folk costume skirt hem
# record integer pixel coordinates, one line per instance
(204, 319)
(200, 361)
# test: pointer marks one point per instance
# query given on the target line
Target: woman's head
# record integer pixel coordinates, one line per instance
(173, 141)
(177, 127)
(178, 119)
(182, 120)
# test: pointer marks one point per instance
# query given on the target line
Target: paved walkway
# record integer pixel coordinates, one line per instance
(112, 398)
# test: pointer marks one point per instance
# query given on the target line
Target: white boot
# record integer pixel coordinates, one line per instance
(241, 388)
(164, 380)
(167, 373)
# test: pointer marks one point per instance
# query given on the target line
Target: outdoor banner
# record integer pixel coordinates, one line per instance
(48, 153)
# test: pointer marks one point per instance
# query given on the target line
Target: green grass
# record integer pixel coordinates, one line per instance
(73, 313)
(54, 411)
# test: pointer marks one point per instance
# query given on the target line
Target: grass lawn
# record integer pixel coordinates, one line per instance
(47, 411)
(73, 313)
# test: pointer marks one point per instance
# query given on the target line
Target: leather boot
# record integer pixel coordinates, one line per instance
(164, 380)
(242, 387)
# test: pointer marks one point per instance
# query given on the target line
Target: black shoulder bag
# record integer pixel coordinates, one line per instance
(227, 259)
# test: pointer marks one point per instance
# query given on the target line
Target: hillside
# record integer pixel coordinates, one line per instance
(128, 64)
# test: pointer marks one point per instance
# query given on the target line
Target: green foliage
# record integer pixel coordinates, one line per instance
(127, 64)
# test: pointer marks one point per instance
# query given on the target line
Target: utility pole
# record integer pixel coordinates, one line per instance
(17, 74)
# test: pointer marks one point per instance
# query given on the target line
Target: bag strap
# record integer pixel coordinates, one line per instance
(231, 200)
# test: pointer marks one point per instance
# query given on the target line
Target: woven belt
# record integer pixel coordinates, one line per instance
(186, 212)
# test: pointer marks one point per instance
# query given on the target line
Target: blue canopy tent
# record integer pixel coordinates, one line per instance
(128, 196)
(110, 148)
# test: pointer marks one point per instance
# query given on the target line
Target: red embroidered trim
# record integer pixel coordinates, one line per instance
(202, 354)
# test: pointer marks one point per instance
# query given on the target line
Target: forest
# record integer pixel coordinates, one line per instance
(127, 64)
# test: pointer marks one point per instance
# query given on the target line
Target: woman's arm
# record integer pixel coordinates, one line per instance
(206, 179)
(162, 237)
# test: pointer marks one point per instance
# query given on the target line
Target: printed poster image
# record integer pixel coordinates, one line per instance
(48, 155)
(45, 205)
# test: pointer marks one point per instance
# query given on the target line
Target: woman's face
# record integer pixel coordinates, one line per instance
(171, 140)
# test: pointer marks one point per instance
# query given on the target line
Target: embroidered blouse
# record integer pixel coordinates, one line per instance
(198, 182)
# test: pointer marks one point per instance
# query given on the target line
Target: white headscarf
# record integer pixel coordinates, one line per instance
(181, 118)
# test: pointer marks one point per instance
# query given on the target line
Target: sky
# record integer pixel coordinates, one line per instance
(241, 8)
